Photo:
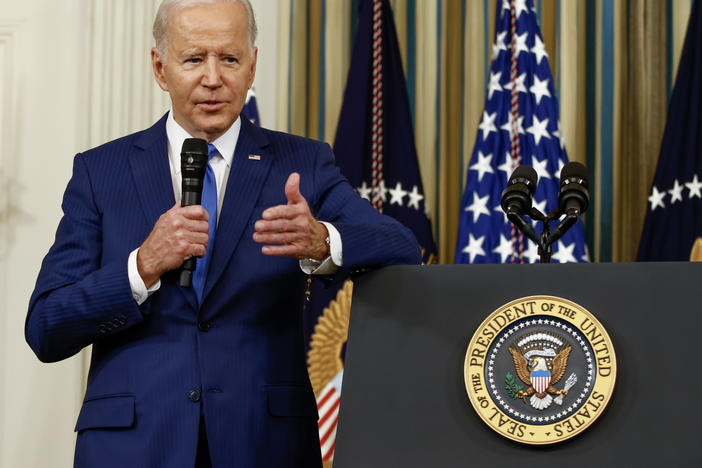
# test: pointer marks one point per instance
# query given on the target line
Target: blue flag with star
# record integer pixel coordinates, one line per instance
(484, 234)
(400, 187)
(674, 215)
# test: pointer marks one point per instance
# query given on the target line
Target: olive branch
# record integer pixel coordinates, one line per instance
(511, 385)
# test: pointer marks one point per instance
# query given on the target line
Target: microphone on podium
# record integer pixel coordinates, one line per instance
(517, 199)
(573, 199)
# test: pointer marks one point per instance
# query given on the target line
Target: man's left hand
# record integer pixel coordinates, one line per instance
(291, 230)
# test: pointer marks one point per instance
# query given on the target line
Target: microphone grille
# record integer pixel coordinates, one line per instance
(194, 145)
(526, 175)
(574, 170)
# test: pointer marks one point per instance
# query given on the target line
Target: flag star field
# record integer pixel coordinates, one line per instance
(485, 235)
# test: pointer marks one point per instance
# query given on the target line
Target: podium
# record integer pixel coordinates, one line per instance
(404, 400)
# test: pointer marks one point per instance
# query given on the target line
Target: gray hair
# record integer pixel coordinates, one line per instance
(169, 7)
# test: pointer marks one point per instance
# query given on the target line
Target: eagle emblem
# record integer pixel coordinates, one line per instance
(540, 360)
(531, 370)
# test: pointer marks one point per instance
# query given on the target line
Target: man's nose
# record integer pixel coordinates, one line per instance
(211, 76)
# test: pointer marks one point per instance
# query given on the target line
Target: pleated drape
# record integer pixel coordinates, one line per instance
(643, 120)
(613, 63)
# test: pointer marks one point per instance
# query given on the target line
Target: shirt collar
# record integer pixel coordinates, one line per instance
(176, 134)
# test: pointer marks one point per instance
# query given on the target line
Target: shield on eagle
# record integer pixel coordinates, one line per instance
(540, 379)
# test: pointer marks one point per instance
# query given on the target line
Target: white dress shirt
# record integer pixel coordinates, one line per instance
(221, 165)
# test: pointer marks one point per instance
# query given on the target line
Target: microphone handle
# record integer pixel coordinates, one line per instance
(191, 196)
(186, 273)
(192, 191)
(568, 222)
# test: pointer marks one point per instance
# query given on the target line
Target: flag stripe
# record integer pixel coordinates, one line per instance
(330, 451)
(328, 425)
(326, 395)
(329, 446)
(331, 429)
(327, 414)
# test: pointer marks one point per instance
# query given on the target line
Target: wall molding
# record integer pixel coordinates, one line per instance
(8, 134)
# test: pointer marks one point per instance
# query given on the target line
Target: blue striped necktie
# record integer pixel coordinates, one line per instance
(209, 202)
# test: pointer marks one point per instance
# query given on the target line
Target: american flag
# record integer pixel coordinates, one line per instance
(250, 109)
(674, 216)
(328, 408)
(520, 125)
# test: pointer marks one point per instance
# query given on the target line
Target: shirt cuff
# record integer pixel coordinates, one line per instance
(139, 291)
(333, 262)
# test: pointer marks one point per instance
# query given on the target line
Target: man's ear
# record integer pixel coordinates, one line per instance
(157, 63)
(252, 72)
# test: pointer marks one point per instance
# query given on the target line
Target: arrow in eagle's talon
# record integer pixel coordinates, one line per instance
(572, 380)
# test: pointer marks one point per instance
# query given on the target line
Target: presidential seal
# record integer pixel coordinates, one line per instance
(540, 370)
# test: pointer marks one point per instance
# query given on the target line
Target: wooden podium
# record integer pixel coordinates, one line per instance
(404, 401)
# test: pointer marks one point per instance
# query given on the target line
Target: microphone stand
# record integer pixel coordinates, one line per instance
(547, 238)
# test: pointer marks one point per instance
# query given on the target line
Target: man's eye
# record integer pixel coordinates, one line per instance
(193, 60)
(230, 60)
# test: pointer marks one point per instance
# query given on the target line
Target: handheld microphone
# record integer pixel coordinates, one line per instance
(573, 199)
(517, 199)
(193, 165)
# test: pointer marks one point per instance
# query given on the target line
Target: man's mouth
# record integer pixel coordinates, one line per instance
(211, 105)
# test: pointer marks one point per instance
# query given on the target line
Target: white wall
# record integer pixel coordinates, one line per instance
(267, 67)
(74, 73)
(41, 83)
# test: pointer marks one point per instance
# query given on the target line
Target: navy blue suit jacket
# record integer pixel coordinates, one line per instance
(239, 358)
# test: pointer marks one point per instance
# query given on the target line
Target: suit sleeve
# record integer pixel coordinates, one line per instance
(78, 300)
(369, 239)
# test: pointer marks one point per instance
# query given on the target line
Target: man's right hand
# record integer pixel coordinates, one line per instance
(180, 233)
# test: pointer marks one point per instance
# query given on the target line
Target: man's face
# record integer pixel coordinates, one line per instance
(208, 68)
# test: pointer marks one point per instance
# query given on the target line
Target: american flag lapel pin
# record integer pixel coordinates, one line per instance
(255, 157)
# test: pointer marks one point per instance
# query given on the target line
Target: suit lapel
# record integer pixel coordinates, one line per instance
(246, 180)
(152, 179)
(151, 172)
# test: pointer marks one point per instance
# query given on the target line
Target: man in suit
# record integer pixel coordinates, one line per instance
(212, 375)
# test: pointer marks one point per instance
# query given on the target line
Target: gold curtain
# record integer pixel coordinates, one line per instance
(613, 64)
(642, 124)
